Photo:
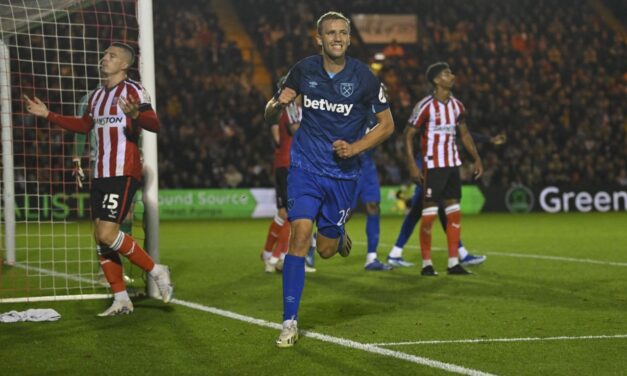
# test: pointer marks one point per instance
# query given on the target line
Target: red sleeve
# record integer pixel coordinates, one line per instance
(79, 125)
(149, 121)
(422, 118)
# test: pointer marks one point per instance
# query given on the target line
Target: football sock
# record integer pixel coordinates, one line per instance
(428, 216)
(293, 284)
(112, 269)
(266, 255)
(283, 240)
(370, 257)
(462, 252)
(122, 295)
(452, 261)
(396, 252)
(409, 223)
(127, 246)
(453, 229)
(372, 232)
(426, 263)
(273, 233)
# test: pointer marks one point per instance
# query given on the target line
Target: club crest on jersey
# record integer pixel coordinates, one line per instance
(313, 84)
(346, 88)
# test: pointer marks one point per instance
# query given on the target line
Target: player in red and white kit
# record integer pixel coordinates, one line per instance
(437, 117)
(279, 232)
(117, 111)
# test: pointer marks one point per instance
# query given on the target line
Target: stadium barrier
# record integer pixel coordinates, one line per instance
(184, 204)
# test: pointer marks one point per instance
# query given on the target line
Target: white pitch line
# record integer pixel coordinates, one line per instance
(558, 258)
(483, 340)
(524, 255)
(52, 273)
(338, 341)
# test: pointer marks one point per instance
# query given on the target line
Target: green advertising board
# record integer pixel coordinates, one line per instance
(206, 203)
(182, 204)
(394, 199)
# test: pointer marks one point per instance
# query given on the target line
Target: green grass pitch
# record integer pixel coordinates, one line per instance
(547, 276)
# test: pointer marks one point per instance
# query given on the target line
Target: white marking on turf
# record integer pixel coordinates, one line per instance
(337, 340)
(483, 340)
(522, 255)
(52, 273)
(558, 258)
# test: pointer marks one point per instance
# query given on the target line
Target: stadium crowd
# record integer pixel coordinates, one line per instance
(549, 75)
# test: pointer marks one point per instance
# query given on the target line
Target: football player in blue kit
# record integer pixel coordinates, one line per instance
(369, 193)
(338, 93)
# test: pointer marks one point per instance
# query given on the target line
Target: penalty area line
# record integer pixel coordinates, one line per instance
(337, 340)
(484, 340)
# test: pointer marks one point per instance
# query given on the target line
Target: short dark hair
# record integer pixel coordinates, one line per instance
(127, 48)
(435, 69)
(332, 16)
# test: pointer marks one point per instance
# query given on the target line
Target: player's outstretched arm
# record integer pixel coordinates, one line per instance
(377, 135)
(469, 144)
(142, 115)
(38, 108)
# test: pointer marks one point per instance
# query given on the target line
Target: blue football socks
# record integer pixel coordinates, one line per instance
(372, 232)
(409, 223)
(293, 284)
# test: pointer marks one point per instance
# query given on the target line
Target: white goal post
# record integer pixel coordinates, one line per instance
(52, 48)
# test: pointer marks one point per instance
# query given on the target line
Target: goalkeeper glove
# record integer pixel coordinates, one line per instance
(77, 172)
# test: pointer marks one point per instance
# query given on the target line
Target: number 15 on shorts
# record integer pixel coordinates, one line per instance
(110, 201)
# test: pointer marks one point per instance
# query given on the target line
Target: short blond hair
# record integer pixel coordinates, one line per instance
(332, 16)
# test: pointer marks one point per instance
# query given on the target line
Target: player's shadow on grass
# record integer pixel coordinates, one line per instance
(145, 302)
(331, 295)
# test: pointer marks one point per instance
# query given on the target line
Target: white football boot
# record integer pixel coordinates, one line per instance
(119, 307)
(162, 279)
(289, 334)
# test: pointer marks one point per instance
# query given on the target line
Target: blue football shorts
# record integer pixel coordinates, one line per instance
(368, 188)
(324, 200)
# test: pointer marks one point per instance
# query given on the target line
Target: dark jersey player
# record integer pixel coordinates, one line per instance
(369, 193)
(337, 94)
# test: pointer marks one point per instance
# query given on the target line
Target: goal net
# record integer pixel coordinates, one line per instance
(51, 49)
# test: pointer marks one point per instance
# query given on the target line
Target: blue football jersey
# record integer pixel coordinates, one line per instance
(334, 108)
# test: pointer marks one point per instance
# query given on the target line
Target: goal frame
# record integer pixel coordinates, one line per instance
(150, 194)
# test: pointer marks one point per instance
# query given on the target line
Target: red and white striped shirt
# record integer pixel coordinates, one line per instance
(438, 121)
(116, 155)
